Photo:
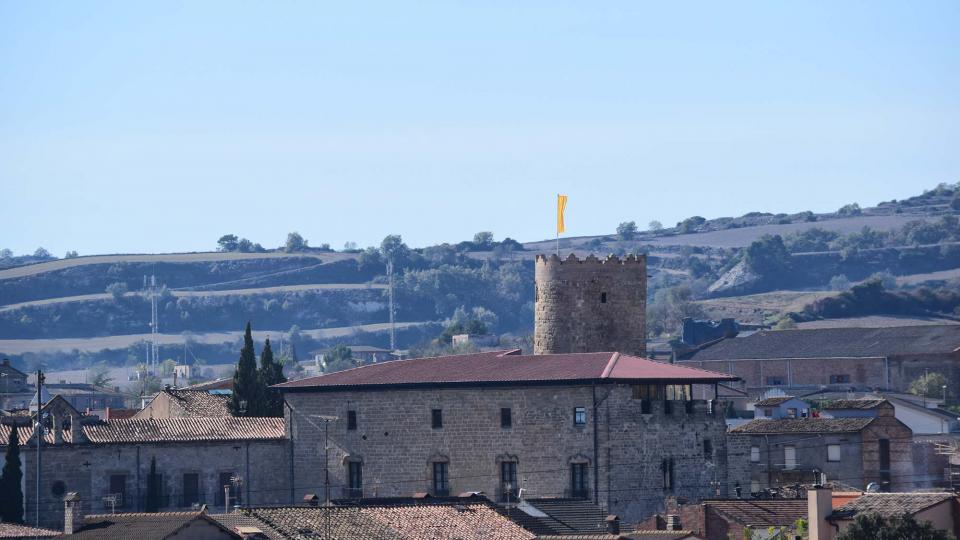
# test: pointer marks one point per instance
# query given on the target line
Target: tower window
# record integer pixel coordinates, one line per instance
(603, 298)
(436, 418)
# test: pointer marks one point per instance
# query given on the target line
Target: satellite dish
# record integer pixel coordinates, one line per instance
(873, 487)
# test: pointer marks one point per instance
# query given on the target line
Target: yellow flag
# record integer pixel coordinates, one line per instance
(561, 206)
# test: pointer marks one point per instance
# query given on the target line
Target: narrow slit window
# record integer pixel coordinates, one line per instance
(603, 298)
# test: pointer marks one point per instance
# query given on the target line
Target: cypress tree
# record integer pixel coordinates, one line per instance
(153, 488)
(271, 373)
(11, 510)
(245, 380)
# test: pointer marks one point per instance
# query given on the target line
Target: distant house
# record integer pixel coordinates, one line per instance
(364, 353)
(838, 358)
(781, 407)
(723, 519)
(830, 513)
(194, 525)
(180, 403)
(859, 450)
(477, 340)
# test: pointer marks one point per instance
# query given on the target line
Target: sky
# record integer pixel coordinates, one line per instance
(139, 127)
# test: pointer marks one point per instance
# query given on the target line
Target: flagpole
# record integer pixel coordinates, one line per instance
(558, 231)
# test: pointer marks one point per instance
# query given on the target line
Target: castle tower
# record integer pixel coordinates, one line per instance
(590, 305)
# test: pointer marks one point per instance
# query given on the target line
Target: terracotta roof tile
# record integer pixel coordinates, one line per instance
(888, 504)
(139, 526)
(185, 429)
(773, 401)
(846, 404)
(199, 402)
(803, 425)
(771, 513)
(508, 367)
(12, 530)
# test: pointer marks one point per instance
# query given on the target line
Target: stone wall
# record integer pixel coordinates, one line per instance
(86, 469)
(590, 305)
(624, 449)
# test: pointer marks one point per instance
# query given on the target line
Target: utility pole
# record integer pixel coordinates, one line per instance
(38, 430)
(393, 328)
(326, 453)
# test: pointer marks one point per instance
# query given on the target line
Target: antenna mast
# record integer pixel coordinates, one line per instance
(393, 322)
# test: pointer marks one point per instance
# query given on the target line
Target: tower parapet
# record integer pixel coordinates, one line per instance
(590, 304)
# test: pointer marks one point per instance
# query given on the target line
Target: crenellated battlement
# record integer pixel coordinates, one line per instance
(553, 259)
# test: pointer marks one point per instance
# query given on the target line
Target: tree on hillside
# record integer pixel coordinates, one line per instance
(627, 230)
(928, 385)
(655, 226)
(394, 250)
(338, 358)
(42, 253)
(154, 488)
(245, 380)
(99, 374)
(483, 240)
(227, 242)
(852, 209)
(955, 202)
(71, 254)
(11, 503)
(902, 527)
(768, 256)
(295, 242)
(117, 290)
(271, 373)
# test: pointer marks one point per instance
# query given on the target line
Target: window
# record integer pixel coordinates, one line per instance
(667, 467)
(839, 379)
(352, 420)
(191, 490)
(774, 381)
(356, 480)
(754, 486)
(708, 449)
(667, 407)
(580, 416)
(603, 298)
(789, 457)
(791, 412)
(224, 484)
(508, 480)
(754, 454)
(884, 448)
(578, 480)
(440, 486)
(688, 406)
(506, 418)
(118, 488)
(768, 413)
(436, 418)
(833, 452)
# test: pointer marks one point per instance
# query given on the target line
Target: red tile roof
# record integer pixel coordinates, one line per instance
(510, 367)
(12, 530)
(185, 429)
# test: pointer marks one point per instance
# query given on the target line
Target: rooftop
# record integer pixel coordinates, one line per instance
(769, 513)
(773, 401)
(836, 343)
(139, 526)
(888, 504)
(191, 402)
(563, 516)
(802, 425)
(12, 530)
(858, 404)
(508, 368)
(168, 430)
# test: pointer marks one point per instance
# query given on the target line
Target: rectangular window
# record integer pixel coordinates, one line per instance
(356, 480)
(224, 485)
(833, 452)
(754, 454)
(603, 298)
(118, 489)
(506, 418)
(508, 481)
(839, 379)
(791, 412)
(774, 381)
(440, 486)
(578, 480)
(191, 490)
(646, 407)
(688, 406)
(708, 449)
(580, 416)
(436, 418)
(667, 407)
(667, 467)
(789, 457)
(352, 420)
(768, 413)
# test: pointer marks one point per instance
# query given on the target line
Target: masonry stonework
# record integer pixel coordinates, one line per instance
(628, 454)
(590, 305)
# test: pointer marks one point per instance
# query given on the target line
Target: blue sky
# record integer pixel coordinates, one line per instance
(159, 126)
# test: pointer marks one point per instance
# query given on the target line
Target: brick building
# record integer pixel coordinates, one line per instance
(842, 358)
(618, 430)
(855, 451)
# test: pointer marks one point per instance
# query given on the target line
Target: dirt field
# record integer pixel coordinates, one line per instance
(757, 308)
(179, 294)
(874, 321)
(20, 346)
(60, 264)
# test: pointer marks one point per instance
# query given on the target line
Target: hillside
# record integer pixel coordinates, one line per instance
(756, 268)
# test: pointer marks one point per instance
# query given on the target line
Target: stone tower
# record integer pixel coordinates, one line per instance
(590, 305)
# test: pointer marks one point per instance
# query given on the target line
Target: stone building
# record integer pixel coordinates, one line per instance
(840, 358)
(107, 462)
(185, 403)
(590, 305)
(619, 430)
(855, 451)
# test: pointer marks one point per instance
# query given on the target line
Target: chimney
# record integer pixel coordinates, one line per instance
(613, 524)
(72, 513)
(673, 522)
(819, 508)
(311, 499)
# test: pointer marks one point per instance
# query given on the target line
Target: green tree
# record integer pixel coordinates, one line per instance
(902, 527)
(955, 202)
(483, 240)
(99, 374)
(245, 380)
(627, 230)
(227, 242)
(271, 373)
(11, 504)
(338, 358)
(154, 489)
(655, 226)
(295, 242)
(852, 209)
(394, 250)
(768, 256)
(928, 385)
(42, 253)
(117, 290)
